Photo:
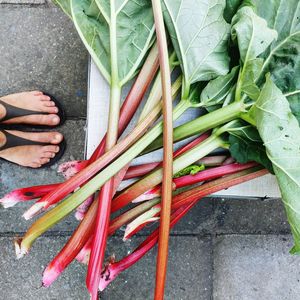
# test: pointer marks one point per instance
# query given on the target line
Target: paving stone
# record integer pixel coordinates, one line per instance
(255, 267)
(12, 177)
(21, 279)
(22, 1)
(254, 215)
(40, 49)
(189, 274)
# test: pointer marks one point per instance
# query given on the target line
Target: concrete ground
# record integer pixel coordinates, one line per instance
(225, 249)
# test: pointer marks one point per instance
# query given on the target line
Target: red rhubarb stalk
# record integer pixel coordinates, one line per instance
(205, 175)
(26, 194)
(164, 228)
(113, 269)
(128, 109)
(151, 215)
(70, 185)
(115, 224)
(146, 183)
(72, 248)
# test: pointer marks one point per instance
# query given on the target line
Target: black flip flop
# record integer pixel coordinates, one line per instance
(15, 141)
(14, 112)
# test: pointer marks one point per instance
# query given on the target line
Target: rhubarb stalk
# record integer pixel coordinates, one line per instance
(71, 249)
(106, 193)
(26, 194)
(191, 197)
(163, 244)
(151, 215)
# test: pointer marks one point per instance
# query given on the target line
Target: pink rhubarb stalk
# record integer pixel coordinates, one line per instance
(113, 269)
(73, 183)
(152, 214)
(164, 229)
(128, 109)
(26, 194)
(91, 167)
(72, 248)
(187, 180)
(140, 187)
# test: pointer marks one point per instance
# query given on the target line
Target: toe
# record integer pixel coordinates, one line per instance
(48, 155)
(53, 149)
(43, 161)
(48, 103)
(50, 120)
(44, 97)
(36, 93)
(50, 109)
(56, 138)
(34, 165)
(54, 119)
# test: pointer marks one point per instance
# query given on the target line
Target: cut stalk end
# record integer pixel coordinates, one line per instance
(10, 200)
(21, 251)
(50, 274)
(71, 168)
(84, 256)
(141, 221)
(34, 210)
(108, 275)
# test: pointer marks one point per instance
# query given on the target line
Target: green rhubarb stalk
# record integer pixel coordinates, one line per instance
(106, 193)
(155, 177)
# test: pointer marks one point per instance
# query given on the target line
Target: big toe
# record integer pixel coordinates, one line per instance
(56, 138)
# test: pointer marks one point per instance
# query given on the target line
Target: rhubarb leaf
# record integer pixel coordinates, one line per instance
(253, 37)
(251, 73)
(251, 33)
(199, 34)
(280, 131)
(65, 6)
(231, 9)
(218, 89)
(134, 26)
(283, 57)
(246, 146)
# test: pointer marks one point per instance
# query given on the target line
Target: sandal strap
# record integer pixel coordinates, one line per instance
(15, 141)
(15, 112)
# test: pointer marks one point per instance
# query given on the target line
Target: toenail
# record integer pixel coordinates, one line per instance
(56, 109)
(55, 120)
(57, 138)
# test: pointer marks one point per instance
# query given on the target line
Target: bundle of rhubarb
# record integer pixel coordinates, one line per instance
(239, 61)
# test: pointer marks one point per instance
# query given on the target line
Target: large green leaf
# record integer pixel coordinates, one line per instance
(283, 57)
(253, 37)
(246, 145)
(65, 6)
(218, 89)
(134, 26)
(199, 35)
(231, 9)
(252, 33)
(280, 131)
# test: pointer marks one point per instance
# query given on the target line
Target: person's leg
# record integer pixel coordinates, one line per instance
(35, 101)
(33, 156)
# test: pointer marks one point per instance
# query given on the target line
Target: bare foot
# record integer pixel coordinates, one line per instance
(32, 156)
(35, 101)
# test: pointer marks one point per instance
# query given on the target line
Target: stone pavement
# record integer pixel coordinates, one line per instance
(233, 249)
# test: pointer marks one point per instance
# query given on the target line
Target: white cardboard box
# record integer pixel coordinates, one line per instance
(97, 113)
